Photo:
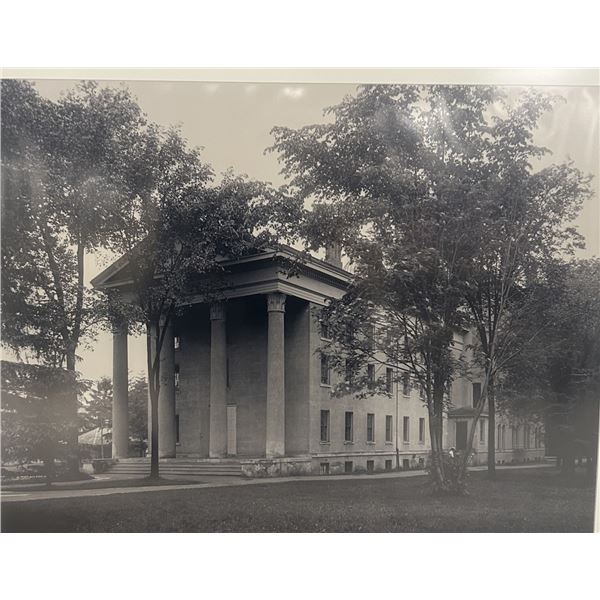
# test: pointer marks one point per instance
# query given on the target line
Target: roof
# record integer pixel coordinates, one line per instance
(94, 437)
(262, 272)
(464, 411)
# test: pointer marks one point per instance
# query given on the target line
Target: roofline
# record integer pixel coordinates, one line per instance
(284, 250)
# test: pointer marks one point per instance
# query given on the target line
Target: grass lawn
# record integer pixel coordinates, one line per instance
(532, 500)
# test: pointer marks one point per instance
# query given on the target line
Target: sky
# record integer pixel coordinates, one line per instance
(232, 123)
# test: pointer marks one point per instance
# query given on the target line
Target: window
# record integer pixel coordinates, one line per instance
(371, 333)
(527, 435)
(498, 436)
(177, 429)
(389, 380)
(482, 431)
(348, 427)
(349, 372)
(476, 393)
(177, 342)
(325, 334)
(388, 428)
(503, 437)
(406, 384)
(324, 425)
(176, 376)
(325, 370)
(371, 374)
(370, 427)
(405, 463)
(348, 466)
(324, 468)
(421, 430)
(370, 466)
(406, 429)
(388, 465)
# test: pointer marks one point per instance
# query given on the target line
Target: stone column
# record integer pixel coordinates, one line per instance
(167, 427)
(217, 444)
(120, 412)
(275, 442)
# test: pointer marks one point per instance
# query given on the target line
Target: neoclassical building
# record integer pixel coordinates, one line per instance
(243, 380)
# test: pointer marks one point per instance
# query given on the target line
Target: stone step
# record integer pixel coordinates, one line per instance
(180, 467)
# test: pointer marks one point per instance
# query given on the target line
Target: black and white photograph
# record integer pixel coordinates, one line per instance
(293, 306)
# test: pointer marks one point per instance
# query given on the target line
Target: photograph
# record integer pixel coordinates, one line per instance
(270, 304)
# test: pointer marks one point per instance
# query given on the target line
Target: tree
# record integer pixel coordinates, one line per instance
(59, 201)
(558, 374)
(390, 179)
(179, 226)
(430, 191)
(138, 410)
(521, 229)
(36, 416)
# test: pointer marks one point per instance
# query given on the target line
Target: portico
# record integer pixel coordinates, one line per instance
(243, 364)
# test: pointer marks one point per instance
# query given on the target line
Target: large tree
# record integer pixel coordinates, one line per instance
(431, 192)
(59, 201)
(180, 224)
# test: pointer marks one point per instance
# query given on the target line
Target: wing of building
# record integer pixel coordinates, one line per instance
(243, 380)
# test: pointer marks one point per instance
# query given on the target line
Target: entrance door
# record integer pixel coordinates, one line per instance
(461, 435)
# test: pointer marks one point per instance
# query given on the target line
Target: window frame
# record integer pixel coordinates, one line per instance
(348, 427)
(370, 428)
(389, 420)
(325, 424)
(389, 380)
(406, 430)
(325, 361)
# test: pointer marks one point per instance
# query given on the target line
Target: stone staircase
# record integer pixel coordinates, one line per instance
(178, 467)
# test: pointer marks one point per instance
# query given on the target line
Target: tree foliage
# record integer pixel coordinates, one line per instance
(433, 194)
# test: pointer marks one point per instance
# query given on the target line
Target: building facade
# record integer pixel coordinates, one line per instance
(243, 379)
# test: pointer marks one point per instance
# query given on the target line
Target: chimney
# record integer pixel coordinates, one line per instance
(333, 254)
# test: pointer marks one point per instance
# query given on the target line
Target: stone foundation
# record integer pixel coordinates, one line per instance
(275, 467)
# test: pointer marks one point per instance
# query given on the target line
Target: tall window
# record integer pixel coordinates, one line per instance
(527, 435)
(371, 375)
(325, 370)
(370, 427)
(371, 333)
(325, 334)
(482, 431)
(177, 429)
(421, 430)
(348, 426)
(324, 425)
(406, 429)
(349, 372)
(388, 428)
(389, 380)
(498, 436)
(406, 384)
(503, 437)
(476, 393)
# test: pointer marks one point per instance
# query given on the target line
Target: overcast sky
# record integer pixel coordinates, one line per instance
(232, 122)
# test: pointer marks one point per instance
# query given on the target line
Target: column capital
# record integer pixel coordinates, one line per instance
(217, 311)
(119, 327)
(276, 302)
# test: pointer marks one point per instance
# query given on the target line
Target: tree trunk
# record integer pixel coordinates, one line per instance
(491, 454)
(153, 389)
(72, 418)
